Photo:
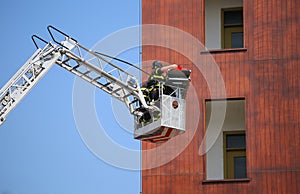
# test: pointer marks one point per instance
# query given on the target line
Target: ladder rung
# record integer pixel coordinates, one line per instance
(127, 95)
(115, 91)
(134, 101)
(75, 67)
(95, 79)
(106, 84)
(87, 72)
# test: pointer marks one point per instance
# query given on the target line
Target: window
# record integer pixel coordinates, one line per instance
(224, 24)
(232, 28)
(234, 155)
(225, 142)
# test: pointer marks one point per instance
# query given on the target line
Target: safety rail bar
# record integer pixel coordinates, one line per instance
(34, 37)
(61, 32)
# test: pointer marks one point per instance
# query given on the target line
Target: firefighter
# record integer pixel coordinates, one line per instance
(151, 90)
(145, 118)
(157, 79)
(156, 82)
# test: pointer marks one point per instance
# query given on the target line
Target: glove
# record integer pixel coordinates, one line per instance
(179, 67)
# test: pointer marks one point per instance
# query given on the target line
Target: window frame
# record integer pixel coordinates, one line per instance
(231, 28)
(230, 153)
(205, 180)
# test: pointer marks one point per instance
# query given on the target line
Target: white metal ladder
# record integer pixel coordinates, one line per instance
(99, 71)
(68, 54)
(27, 77)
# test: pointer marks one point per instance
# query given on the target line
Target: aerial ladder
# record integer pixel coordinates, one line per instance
(100, 71)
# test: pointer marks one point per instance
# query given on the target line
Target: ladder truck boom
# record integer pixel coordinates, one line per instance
(68, 54)
(165, 115)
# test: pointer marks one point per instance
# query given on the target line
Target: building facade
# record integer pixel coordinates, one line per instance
(244, 55)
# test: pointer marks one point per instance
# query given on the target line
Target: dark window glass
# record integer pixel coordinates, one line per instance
(239, 167)
(236, 141)
(237, 39)
(233, 17)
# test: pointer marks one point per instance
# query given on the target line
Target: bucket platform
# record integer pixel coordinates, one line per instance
(170, 120)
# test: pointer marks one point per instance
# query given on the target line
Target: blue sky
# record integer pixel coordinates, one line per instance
(41, 150)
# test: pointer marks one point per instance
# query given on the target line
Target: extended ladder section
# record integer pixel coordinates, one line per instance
(75, 58)
(27, 77)
(102, 73)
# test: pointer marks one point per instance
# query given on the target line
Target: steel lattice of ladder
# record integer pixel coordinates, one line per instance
(167, 114)
(26, 78)
(70, 55)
